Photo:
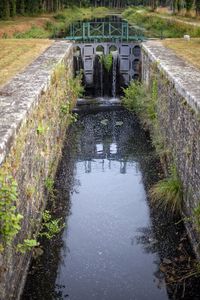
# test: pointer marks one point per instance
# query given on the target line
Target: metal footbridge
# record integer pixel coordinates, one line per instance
(115, 31)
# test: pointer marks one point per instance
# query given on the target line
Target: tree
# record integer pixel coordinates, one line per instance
(12, 8)
(188, 5)
(197, 4)
(5, 9)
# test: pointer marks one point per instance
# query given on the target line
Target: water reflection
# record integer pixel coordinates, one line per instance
(114, 241)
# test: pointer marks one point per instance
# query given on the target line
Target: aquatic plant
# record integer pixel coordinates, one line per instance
(168, 192)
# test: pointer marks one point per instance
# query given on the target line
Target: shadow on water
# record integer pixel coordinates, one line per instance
(114, 241)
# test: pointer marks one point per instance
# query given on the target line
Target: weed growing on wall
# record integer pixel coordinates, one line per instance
(107, 61)
(196, 216)
(168, 193)
(50, 227)
(142, 100)
(10, 219)
(134, 95)
(49, 184)
(27, 245)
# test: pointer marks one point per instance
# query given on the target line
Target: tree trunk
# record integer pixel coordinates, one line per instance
(21, 7)
(13, 8)
(188, 5)
(197, 4)
(6, 9)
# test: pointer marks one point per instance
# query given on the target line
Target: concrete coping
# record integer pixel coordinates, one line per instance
(22, 93)
(186, 78)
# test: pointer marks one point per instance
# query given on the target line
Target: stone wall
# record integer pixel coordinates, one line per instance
(178, 111)
(32, 131)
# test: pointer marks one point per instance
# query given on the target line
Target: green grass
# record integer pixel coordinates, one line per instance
(168, 193)
(157, 26)
(34, 32)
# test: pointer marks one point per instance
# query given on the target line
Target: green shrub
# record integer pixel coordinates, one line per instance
(60, 17)
(49, 26)
(34, 32)
(142, 100)
(134, 96)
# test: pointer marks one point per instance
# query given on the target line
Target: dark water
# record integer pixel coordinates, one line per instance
(114, 241)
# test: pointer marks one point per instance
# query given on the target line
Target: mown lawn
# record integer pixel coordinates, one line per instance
(16, 54)
(188, 50)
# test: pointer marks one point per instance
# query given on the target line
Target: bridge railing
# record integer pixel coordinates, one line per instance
(103, 31)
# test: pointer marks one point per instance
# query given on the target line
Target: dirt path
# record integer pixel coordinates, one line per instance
(176, 19)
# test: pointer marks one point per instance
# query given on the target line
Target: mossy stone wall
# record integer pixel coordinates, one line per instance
(178, 112)
(31, 146)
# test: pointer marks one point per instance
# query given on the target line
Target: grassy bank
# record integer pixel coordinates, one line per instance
(157, 26)
(48, 25)
(15, 55)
